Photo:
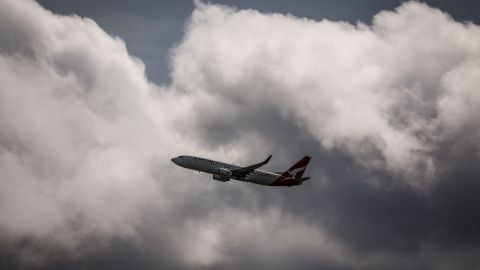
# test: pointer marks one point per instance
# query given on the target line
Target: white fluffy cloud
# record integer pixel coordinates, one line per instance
(380, 92)
(86, 139)
(77, 135)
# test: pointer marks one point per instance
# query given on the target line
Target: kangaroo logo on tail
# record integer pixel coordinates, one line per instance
(293, 176)
(298, 169)
(297, 172)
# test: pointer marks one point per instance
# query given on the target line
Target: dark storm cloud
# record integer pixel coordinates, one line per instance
(388, 112)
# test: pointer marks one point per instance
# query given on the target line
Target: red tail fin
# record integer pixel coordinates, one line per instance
(298, 169)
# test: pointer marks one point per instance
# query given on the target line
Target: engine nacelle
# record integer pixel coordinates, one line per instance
(220, 178)
(223, 175)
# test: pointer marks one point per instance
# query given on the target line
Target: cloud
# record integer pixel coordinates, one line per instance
(77, 133)
(388, 111)
(378, 92)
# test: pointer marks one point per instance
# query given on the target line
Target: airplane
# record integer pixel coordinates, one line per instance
(224, 172)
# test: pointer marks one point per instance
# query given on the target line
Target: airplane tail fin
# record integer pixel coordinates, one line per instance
(297, 170)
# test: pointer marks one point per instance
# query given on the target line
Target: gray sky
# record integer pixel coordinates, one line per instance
(388, 111)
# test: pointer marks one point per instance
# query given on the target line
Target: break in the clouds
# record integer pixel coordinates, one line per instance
(389, 110)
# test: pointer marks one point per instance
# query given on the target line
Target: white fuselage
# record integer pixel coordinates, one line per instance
(220, 170)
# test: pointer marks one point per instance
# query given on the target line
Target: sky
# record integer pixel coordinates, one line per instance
(95, 98)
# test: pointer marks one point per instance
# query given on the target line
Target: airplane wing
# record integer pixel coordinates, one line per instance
(243, 172)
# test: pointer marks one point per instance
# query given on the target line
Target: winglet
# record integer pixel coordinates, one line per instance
(267, 160)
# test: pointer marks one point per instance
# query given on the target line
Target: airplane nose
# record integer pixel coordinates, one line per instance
(174, 160)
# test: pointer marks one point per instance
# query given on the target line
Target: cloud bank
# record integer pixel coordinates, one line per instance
(385, 93)
(388, 110)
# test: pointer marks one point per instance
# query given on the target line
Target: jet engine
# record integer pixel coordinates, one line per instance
(223, 175)
(220, 178)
